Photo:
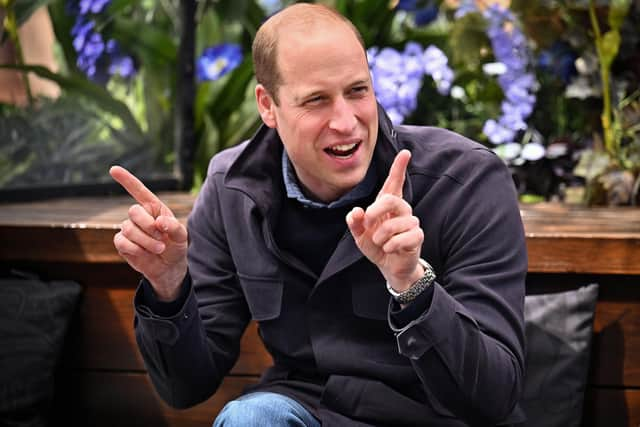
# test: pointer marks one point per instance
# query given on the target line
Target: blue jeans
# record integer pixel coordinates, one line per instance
(264, 409)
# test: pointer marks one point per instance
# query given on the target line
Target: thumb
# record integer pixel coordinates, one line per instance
(172, 227)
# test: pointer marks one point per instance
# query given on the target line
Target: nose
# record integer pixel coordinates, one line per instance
(343, 118)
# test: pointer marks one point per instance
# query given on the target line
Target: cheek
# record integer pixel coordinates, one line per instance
(311, 128)
(368, 112)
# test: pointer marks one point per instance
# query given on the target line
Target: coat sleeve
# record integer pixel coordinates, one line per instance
(188, 353)
(467, 346)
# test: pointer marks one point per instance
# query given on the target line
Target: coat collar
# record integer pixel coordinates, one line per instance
(257, 171)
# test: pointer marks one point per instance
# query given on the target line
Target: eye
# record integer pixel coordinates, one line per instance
(359, 90)
(316, 100)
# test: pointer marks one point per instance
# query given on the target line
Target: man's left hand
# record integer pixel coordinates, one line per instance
(387, 233)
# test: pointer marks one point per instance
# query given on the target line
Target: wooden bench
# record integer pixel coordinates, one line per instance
(102, 381)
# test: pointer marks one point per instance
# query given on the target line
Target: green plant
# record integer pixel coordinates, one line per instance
(571, 82)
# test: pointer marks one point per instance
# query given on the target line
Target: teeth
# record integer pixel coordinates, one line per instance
(345, 147)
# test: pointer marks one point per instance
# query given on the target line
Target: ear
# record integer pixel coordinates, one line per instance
(266, 106)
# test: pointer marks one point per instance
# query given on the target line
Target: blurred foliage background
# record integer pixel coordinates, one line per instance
(551, 86)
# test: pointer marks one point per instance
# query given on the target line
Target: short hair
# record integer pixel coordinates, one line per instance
(265, 43)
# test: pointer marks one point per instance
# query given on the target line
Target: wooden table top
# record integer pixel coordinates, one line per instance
(560, 238)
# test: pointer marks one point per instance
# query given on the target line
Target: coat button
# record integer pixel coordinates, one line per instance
(166, 332)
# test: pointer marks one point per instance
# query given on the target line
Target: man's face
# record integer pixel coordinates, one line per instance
(327, 117)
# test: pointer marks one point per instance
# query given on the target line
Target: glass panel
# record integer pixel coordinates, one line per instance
(101, 90)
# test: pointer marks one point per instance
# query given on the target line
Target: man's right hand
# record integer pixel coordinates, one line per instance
(151, 239)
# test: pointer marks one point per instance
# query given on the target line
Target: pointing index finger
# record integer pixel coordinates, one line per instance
(136, 189)
(395, 181)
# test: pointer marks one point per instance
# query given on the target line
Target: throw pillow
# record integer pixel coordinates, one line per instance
(34, 316)
(559, 328)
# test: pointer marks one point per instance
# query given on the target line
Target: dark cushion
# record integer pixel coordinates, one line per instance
(559, 328)
(34, 316)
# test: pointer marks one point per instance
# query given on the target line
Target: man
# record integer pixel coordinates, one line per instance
(384, 265)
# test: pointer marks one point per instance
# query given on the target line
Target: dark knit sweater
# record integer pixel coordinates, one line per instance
(311, 234)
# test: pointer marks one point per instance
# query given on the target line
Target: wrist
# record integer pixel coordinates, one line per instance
(416, 288)
(167, 288)
(401, 285)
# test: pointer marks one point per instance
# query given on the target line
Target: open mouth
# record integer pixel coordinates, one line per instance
(343, 151)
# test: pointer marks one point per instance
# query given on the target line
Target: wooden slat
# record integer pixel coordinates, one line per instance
(561, 220)
(71, 230)
(573, 239)
(560, 238)
(84, 212)
(605, 407)
(615, 355)
(108, 399)
(595, 255)
(48, 244)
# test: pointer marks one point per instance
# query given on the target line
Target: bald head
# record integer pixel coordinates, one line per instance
(294, 21)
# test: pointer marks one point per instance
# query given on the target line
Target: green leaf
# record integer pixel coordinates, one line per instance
(373, 18)
(153, 45)
(252, 18)
(117, 6)
(609, 47)
(80, 86)
(208, 30)
(233, 93)
(618, 10)
(242, 128)
(592, 164)
(469, 40)
(531, 198)
(231, 9)
(62, 24)
(25, 8)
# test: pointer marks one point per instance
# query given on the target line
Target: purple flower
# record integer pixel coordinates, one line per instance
(398, 76)
(436, 65)
(497, 133)
(395, 116)
(123, 66)
(413, 57)
(559, 60)
(216, 61)
(511, 118)
(464, 7)
(93, 6)
(511, 51)
(426, 15)
(120, 64)
(96, 58)
(407, 100)
(89, 54)
(424, 12)
(396, 79)
(81, 30)
(408, 5)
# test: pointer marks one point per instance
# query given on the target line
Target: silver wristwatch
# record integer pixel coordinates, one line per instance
(417, 287)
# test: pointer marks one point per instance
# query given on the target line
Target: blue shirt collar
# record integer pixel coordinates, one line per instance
(360, 191)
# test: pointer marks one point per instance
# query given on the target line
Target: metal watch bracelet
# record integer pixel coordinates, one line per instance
(405, 297)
